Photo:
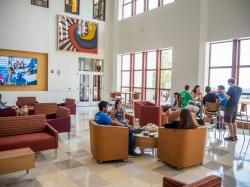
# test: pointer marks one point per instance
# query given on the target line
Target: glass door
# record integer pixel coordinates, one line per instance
(97, 87)
(90, 88)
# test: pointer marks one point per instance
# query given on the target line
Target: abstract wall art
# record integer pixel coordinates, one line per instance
(77, 35)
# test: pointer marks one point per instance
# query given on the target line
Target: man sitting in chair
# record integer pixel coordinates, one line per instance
(103, 118)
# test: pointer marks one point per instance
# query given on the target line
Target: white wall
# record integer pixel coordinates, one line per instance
(32, 28)
(186, 26)
(175, 25)
(228, 19)
(225, 20)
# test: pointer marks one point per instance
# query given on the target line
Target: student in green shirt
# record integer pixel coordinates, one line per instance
(186, 97)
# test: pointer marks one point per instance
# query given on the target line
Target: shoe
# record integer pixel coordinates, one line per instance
(236, 138)
(230, 138)
(131, 155)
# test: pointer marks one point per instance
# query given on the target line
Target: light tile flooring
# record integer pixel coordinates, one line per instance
(74, 166)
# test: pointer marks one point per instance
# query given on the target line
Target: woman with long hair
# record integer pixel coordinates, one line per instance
(118, 113)
(187, 121)
(196, 92)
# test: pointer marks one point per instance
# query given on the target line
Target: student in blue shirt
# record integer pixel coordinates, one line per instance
(233, 96)
(222, 96)
(103, 118)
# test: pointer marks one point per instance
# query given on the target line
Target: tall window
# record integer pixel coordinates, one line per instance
(148, 73)
(125, 73)
(230, 59)
(138, 72)
(139, 6)
(244, 66)
(130, 8)
(152, 4)
(99, 10)
(166, 75)
(127, 8)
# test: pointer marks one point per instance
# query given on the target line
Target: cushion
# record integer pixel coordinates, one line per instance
(45, 108)
(26, 101)
(62, 112)
(69, 101)
(36, 141)
(21, 125)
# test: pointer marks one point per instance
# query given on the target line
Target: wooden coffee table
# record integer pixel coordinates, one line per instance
(144, 142)
(16, 160)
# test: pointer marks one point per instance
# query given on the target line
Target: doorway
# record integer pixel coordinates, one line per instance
(90, 85)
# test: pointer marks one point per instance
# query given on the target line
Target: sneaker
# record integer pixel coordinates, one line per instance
(236, 138)
(230, 138)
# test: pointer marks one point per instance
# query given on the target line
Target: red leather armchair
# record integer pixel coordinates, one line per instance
(147, 112)
(210, 181)
(150, 114)
(28, 101)
(70, 104)
(61, 122)
(27, 131)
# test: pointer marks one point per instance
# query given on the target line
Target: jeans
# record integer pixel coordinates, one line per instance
(131, 141)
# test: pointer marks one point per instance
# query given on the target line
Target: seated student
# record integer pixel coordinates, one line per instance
(196, 93)
(210, 97)
(118, 113)
(186, 96)
(187, 121)
(223, 102)
(103, 118)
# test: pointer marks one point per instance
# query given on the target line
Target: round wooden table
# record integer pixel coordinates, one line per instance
(144, 142)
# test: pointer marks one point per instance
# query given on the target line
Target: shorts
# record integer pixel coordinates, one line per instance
(230, 114)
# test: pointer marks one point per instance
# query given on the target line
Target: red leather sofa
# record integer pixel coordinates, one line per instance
(6, 112)
(61, 121)
(27, 131)
(70, 104)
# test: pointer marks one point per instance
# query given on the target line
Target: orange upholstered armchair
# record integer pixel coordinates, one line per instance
(210, 181)
(182, 147)
(108, 142)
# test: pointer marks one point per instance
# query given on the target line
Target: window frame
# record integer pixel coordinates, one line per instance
(145, 9)
(235, 68)
(144, 71)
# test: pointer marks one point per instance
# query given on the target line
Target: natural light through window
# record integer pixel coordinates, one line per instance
(128, 8)
(224, 64)
(149, 73)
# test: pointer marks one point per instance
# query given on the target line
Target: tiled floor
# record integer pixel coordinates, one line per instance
(74, 166)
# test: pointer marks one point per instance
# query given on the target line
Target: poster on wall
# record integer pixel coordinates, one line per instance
(72, 6)
(18, 71)
(76, 35)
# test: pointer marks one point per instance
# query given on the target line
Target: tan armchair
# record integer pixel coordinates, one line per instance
(182, 147)
(108, 142)
(169, 116)
(210, 181)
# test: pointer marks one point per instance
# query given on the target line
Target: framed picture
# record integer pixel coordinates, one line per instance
(76, 35)
(42, 3)
(72, 6)
(99, 9)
